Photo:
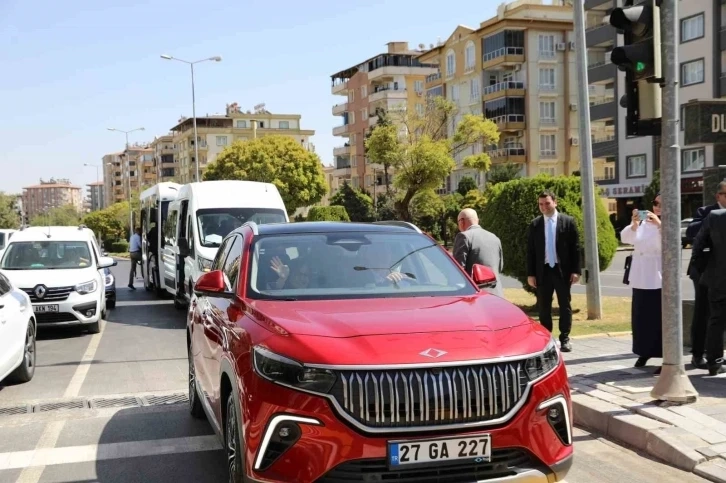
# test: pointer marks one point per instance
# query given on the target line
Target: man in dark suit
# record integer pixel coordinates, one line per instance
(553, 263)
(713, 266)
(475, 245)
(700, 309)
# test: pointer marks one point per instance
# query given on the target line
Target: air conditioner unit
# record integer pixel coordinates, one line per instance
(572, 45)
(561, 46)
(573, 107)
(517, 67)
(575, 141)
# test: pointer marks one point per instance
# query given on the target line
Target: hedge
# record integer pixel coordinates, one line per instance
(512, 206)
(117, 246)
(328, 213)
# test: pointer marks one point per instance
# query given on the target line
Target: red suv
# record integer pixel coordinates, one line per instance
(354, 352)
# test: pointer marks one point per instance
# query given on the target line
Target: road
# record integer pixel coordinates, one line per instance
(111, 407)
(611, 280)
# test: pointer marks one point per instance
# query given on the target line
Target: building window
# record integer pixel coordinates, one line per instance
(364, 114)
(418, 86)
(693, 159)
(693, 72)
(364, 92)
(221, 140)
(547, 79)
(547, 145)
(469, 56)
(351, 117)
(284, 124)
(692, 28)
(450, 64)
(636, 166)
(547, 113)
(351, 95)
(609, 172)
(420, 110)
(547, 170)
(242, 124)
(475, 92)
(547, 47)
(454, 92)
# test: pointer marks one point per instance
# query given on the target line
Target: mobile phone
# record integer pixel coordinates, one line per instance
(643, 214)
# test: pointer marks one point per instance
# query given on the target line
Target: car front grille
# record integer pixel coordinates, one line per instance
(435, 396)
(54, 317)
(52, 294)
(504, 463)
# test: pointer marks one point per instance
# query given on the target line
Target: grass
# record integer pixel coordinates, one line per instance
(118, 255)
(615, 310)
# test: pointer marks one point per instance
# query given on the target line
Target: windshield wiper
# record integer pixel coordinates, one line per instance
(360, 269)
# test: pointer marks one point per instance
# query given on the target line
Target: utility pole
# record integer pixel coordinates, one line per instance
(673, 384)
(592, 262)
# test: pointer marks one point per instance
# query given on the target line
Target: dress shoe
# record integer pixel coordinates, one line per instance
(699, 362)
(641, 362)
(565, 346)
(716, 368)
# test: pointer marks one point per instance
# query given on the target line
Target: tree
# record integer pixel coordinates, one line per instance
(357, 204)
(296, 172)
(511, 207)
(419, 149)
(327, 213)
(501, 173)
(66, 215)
(9, 217)
(385, 206)
(466, 184)
(383, 121)
(106, 224)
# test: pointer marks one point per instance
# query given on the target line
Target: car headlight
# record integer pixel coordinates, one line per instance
(290, 373)
(542, 364)
(204, 264)
(108, 280)
(86, 287)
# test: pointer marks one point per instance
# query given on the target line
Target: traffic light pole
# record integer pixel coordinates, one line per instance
(592, 262)
(673, 384)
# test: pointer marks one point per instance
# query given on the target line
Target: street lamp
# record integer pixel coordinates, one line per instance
(194, 108)
(131, 218)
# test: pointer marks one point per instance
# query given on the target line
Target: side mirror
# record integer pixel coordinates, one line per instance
(183, 245)
(212, 284)
(106, 262)
(484, 276)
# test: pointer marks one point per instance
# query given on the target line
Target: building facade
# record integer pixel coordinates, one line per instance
(47, 195)
(702, 58)
(128, 172)
(96, 198)
(386, 81)
(164, 161)
(216, 132)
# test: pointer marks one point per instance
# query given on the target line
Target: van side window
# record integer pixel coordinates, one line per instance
(170, 228)
(190, 235)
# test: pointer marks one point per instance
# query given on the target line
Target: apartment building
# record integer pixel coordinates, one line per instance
(128, 172)
(163, 160)
(96, 199)
(519, 70)
(388, 80)
(702, 58)
(215, 132)
(47, 195)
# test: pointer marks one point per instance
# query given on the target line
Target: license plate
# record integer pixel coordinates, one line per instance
(45, 308)
(402, 453)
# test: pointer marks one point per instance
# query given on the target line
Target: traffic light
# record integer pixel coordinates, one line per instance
(640, 58)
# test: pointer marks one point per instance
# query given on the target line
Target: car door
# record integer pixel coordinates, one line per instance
(12, 326)
(201, 320)
(169, 253)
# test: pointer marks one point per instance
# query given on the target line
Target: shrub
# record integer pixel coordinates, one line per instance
(512, 206)
(328, 213)
(118, 246)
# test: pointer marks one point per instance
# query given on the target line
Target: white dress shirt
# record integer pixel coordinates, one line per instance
(135, 243)
(550, 224)
(646, 270)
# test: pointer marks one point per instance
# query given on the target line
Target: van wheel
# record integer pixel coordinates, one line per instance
(178, 304)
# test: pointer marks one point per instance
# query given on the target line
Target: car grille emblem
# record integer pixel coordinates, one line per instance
(39, 291)
(432, 353)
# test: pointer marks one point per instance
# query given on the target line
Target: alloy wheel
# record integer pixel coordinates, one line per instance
(232, 441)
(30, 348)
(192, 381)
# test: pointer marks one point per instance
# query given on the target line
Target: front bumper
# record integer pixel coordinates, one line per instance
(321, 448)
(77, 309)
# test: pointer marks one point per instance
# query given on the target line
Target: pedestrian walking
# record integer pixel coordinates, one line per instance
(645, 278)
(553, 264)
(475, 245)
(699, 323)
(135, 256)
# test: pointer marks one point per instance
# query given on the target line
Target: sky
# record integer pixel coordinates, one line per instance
(72, 69)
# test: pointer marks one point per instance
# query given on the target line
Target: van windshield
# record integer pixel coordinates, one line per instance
(215, 223)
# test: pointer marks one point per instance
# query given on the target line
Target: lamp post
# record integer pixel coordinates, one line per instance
(128, 166)
(194, 107)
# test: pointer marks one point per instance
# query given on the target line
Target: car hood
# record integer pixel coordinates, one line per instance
(51, 278)
(386, 316)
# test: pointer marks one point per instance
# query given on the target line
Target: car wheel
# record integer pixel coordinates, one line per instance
(178, 304)
(110, 304)
(195, 405)
(233, 444)
(94, 328)
(26, 369)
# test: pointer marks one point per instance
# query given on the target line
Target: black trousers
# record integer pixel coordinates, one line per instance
(553, 281)
(699, 324)
(716, 325)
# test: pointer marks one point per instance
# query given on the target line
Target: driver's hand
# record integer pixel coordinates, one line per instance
(396, 276)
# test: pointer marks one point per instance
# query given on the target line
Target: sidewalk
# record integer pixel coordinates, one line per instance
(612, 397)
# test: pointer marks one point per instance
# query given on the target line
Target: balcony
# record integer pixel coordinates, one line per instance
(503, 89)
(590, 4)
(508, 155)
(434, 80)
(601, 34)
(601, 71)
(339, 109)
(509, 122)
(341, 151)
(390, 71)
(605, 146)
(503, 56)
(372, 121)
(342, 168)
(387, 93)
(341, 130)
(340, 88)
(604, 109)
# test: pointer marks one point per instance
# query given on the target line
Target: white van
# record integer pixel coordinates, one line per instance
(200, 217)
(155, 203)
(5, 239)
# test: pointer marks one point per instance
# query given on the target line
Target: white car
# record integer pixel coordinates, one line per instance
(62, 271)
(17, 334)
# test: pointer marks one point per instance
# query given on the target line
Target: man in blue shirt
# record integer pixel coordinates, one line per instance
(135, 256)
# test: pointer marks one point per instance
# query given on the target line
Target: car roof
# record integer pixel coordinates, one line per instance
(332, 227)
(42, 233)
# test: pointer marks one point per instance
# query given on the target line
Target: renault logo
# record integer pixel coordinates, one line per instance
(40, 291)
(433, 353)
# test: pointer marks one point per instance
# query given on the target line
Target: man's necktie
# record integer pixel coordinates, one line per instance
(551, 251)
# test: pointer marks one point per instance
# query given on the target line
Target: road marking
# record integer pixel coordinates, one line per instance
(51, 433)
(41, 458)
(143, 302)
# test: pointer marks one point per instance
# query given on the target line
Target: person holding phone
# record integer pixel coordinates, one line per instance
(644, 233)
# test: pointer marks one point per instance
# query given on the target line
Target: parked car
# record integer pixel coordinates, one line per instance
(17, 334)
(110, 283)
(335, 352)
(685, 241)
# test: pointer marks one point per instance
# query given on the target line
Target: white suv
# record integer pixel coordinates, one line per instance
(61, 270)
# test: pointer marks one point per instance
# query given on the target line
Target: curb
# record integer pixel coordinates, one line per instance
(657, 431)
(602, 334)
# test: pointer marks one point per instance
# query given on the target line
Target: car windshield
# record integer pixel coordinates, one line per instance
(352, 265)
(46, 255)
(215, 224)
(2, 241)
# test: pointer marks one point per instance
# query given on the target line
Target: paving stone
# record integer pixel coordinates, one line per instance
(701, 418)
(594, 413)
(714, 470)
(677, 447)
(633, 429)
(667, 416)
(635, 386)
